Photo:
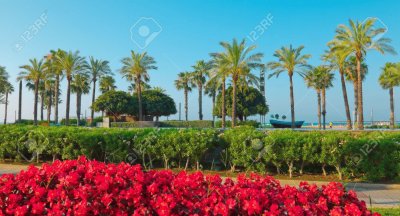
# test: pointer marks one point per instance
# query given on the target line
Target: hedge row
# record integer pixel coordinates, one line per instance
(370, 155)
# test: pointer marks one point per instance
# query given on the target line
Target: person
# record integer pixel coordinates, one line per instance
(330, 125)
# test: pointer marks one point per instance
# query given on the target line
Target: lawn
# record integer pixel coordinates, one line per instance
(387, 211)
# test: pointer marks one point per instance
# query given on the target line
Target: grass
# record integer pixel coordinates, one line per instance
(387, 211)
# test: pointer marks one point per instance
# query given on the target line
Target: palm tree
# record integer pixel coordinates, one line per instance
(238, 61)
(351, 75)
(211, 89)
(80, 85)
(337, 59)
(292, 61)
(184, 83)
(98, 69)
(358, 39)
(325, 78)
(34, 72)
(311, 79)
(57, 70)
(107, 83)
(132, 87)
(218, 75)
(201, 71)
(71, 63)
(135, 69)
(390, 78)
(7, 89)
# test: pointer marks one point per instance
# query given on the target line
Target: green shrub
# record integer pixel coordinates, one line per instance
(372, 156)
(187, 124)
(228, 124)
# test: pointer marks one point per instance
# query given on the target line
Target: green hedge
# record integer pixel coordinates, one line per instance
(187, 124)
(373, 156)
(228, 124)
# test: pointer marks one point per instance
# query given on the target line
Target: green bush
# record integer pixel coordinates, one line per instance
(73, 122)
(372, 156)
(228, 124)
(187, 124)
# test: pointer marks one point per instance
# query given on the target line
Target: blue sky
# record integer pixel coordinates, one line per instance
(188, 31)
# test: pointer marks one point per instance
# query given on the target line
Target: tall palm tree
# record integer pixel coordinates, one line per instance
(135, 68)
(219, 74)
(311, 78)
(34, 72)
(292, 61)
(98, 69)
(337, 59)
(239, 62)
(358, 38)
(7, 89)
(184, 83)
(3, 82)
(107, 83)
(80, 85)
(325, 79)
(201, 71)
(58, 72)
(351, 75)
(390, 78)
(211, 89)
(71, 63)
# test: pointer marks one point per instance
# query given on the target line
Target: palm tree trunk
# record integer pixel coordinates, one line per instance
(292, 101)
(49, 107)
(200, 102)
(56, 98)
(213, 107)
(68, 101)
(391, 108)
(41, 106)
(346, 101)
(36, 102)
(78, 107)
(324, 108)
(139, 92)
(20, 101)
(186, 104)
(6, 108)
(355, 86)
(234, 103)
(93, 99)
(319, 109)
(360, 94)
(223, 104)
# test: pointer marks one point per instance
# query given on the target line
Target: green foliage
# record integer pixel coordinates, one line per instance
(249, 102)
(228, 124)
(243, 146)
(372, 156)
(156, 103)
(115, 103)
(187, 124)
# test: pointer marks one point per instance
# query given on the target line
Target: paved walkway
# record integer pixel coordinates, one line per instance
(374, 195)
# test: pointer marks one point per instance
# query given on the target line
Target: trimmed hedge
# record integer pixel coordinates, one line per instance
(187, 124)
(372, 156)
(228, 124)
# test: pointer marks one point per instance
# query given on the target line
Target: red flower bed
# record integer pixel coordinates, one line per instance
(83, 187)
